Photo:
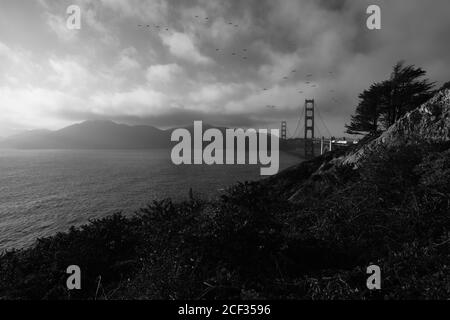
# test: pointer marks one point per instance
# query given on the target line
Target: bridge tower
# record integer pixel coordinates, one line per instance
(309, 129)
(283, 130)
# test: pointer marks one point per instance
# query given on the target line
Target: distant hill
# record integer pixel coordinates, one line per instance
(96, 134)
(91, 135)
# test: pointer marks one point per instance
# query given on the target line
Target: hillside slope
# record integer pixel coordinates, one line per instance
(308, 233)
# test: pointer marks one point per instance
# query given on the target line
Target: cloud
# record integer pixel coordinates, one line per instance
(69, 74)
(57, 23)
(182, 46)
(155, 11)
(128, 60)
(137, 102)
(164, 74)
(112, 68)
(28, 108)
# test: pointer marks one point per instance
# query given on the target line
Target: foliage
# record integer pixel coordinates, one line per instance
(252, 243)
(385, 102)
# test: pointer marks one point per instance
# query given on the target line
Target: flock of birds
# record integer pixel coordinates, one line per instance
(311, 84)
(243, 54)
(308, 81)
(198, 18)
(159, 28)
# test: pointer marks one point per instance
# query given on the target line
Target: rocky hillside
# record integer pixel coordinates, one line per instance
(429, 124)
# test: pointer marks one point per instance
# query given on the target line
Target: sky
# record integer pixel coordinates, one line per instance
(235, 63)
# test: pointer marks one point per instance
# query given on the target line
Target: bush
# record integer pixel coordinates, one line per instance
(254, 243)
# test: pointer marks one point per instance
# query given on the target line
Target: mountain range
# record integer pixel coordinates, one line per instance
(91, 134)
(96, 134)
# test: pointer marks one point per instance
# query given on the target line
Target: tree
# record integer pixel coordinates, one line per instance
(408, 90)
(367, 115)
(385, 102)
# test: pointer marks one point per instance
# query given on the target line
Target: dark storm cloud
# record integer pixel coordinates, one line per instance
(212, 63)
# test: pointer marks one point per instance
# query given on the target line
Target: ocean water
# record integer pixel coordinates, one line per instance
(43, 192)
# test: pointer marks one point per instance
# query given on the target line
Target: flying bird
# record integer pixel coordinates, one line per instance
(309, 75)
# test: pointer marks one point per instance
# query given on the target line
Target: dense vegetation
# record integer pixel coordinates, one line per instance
(255, 243)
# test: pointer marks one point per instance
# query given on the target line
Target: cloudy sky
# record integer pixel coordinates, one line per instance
(210, 59)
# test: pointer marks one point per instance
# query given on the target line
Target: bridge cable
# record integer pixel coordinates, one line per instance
(299, 122)
(323, 122)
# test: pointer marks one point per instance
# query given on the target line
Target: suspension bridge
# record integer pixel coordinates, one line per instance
(303, 139)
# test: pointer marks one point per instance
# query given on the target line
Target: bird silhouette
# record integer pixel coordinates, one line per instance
(309, 75)
(233, 54)
(293, 71)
